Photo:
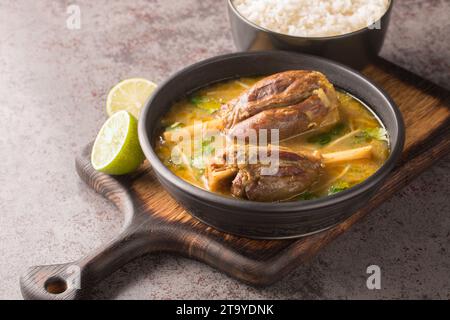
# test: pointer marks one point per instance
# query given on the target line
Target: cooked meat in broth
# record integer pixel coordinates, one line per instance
(329, 141)
(293, 102)
(296, 172)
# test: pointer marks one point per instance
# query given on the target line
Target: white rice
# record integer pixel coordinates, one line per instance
(312, 18)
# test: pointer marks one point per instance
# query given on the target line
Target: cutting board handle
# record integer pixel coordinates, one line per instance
(51, 282)
(71, 281)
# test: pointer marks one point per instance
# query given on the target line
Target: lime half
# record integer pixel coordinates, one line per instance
(116, 149)
(129, 95)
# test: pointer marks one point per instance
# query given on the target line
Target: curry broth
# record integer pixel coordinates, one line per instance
(358, 127)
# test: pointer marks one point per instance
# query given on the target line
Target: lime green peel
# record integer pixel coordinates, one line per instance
(116, 149)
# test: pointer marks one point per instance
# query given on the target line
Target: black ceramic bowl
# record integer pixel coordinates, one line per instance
(354, 49)
(257, 219)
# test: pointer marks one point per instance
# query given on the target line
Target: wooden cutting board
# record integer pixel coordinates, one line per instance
(155, 222)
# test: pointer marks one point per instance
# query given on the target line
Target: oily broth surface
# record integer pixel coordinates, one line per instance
(358, 127)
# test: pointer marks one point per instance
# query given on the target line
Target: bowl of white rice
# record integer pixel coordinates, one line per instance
(348, 31)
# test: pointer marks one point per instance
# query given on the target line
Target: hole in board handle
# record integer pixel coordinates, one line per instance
(55, 285)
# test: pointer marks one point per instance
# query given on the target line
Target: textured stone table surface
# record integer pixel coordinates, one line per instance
(53, 83)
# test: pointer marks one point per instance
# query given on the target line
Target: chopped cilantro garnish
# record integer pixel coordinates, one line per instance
(207, 104)
(207, 148)
(337, 187)
(370, 134)
(306, 196)
(325, 138)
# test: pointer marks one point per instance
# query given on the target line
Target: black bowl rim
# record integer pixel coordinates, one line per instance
(288, 36)
(270, 207)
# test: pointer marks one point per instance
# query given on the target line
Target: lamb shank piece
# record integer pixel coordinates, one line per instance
(294, 174)
(293, 102)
